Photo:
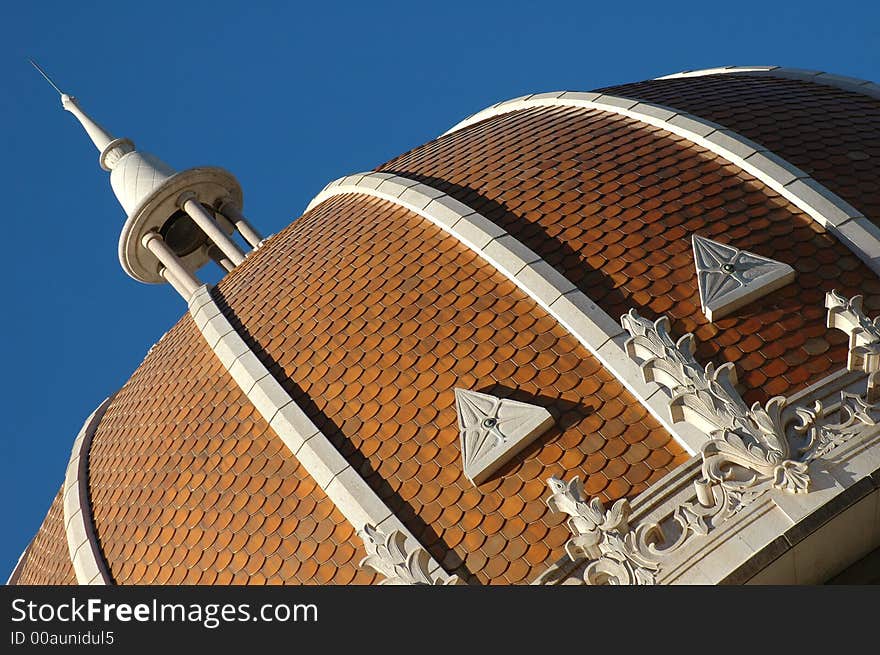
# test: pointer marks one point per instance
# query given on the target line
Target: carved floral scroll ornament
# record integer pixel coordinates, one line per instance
(387, 555)
(864, 337)
(748, 452)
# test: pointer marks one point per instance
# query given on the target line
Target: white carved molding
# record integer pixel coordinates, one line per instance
(492, 430)
(751, 457)
(828, 209)
(750, 437)
(730, 278)
(866, 87)
(864, 337)
(88, 561)
(344, 486)
(389, 556)
(602, 537)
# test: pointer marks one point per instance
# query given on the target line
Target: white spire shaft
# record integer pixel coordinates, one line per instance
(99, 136)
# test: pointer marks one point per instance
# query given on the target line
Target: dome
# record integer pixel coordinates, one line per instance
(369, 317)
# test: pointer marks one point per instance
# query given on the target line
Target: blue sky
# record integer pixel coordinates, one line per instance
(286, 96)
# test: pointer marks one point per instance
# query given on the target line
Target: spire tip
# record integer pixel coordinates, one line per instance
(46, 77)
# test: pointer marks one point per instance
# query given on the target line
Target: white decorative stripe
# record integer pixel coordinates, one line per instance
(343, 485)
(600, 334)
(82, 542)
(865, 87)
(828, 209)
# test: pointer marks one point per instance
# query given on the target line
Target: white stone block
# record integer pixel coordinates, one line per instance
(373, 180)
(615, 101)
(688, 436)
(420, 196)
(778, 572)
(205, 313)
(351, 180)
(354, 498)
(84, 564)
(293, 426)
(215, 329)
(652, 110)
(764, 528)
(814, 198)
(71, 502)
(200, 297)
(543, 282)
(394, 186)
(513, 101)
(796, 73)
(247, 370)
(692, 125)
(76, 531)
(579, 96)
(841, 81)
(321, 460)
(229, 348)
(856, 465)
(447, 211)
(726, 558)
(75, 451)
(835, 545)
(585, 319)
(550, 95)
(268, 396)
(509, 255)
(476, 231)
(616, 360)
(734, 144)
(773, 167)
(863, 237)
(693, 575)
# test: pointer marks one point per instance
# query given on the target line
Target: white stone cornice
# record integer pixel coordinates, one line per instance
(866, 87)
(344, 486)
(601, 335)
(82, 541)
(828, 209)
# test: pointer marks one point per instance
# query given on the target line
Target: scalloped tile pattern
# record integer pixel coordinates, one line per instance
(190, 486)
(612, 203)
(831, 134)
(48, 558)
(372, 315)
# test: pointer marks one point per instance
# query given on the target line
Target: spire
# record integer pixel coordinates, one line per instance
(176, 221)
(111, 148)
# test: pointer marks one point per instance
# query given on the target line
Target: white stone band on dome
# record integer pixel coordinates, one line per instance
(828, 209)
(600, 334)
(13, 577)
(843, 82)
(344, 486)
(82, 542)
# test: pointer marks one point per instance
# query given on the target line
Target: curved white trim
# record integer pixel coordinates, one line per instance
(82, 542)
(865, 87)
(600, 334)
(343, 485)
(13, 577)
(828, 209)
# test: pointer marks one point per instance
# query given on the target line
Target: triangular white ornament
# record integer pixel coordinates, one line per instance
(730, 278)
(493, 430)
